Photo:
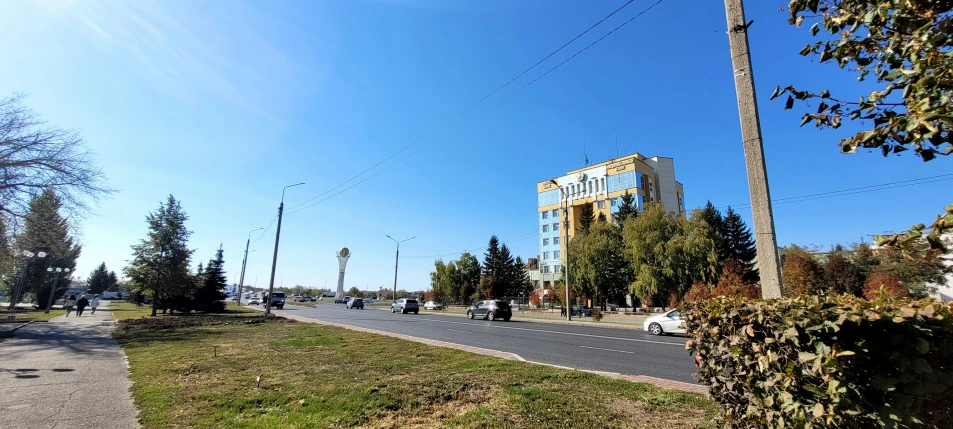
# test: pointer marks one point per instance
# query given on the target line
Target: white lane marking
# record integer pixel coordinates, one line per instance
(455, 330)
(486, 325)
(608, 350)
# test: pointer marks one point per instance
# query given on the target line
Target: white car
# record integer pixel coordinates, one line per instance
(666, 324)
(430, 305)
(254, 301)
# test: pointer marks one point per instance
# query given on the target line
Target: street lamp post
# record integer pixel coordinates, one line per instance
(274, 258)
(59, 271)
(241, 279)
(566, 229)
(28, 255)
(396, 261)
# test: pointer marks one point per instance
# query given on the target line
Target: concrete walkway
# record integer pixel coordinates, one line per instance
(66, 373)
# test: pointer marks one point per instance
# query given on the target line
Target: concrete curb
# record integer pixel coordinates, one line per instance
(659, 382)
(630, 326)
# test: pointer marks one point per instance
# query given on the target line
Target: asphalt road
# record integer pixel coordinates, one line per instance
(607, 349)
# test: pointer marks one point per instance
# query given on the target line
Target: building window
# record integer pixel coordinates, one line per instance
(627, 180)
(556, 268)
(583, 186)
(601, 204)
(545, 242)
(612, 202)
(549, 198)
(545, 269)
(546, 215)
(556, 240)
(555, 213)
(545, 256)
(555, 227)
(546, 228)
(556, 254)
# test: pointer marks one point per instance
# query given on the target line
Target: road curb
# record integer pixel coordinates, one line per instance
(630, 326)
(659, 382)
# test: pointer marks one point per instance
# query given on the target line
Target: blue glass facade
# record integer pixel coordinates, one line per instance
(548, 238)
(617, 201)
(627, 180)
(549, 198)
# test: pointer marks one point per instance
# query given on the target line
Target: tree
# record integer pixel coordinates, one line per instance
(113, 282)
(733, 282)
(801, 273)
(160, 262)
(919, 276)
(498, 269)
(712, 216)
(353, 291)
(522, 284)
(864, 259)
(884, 283)
(668, 253)
(905, 45)
(602, 218)
(46, 230)
(37, 158)
(586, 218)
(842, 275)
(468, 271)
(99, 280)
(600, 270)
(208, 295)
(739, 244)
(697, 293)
(626, 210)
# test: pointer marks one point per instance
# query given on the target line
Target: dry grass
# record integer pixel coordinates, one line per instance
(320, 376)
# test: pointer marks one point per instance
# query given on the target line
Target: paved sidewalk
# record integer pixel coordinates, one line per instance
(66, 373)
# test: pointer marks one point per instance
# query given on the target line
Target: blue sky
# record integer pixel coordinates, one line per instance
(222, 103)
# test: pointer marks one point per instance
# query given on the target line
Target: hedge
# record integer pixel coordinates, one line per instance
(825, 362)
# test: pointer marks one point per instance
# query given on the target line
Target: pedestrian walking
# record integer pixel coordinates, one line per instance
(81, 305)
(69, 303)
(94, 303)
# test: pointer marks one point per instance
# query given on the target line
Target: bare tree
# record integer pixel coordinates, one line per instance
(35, 156)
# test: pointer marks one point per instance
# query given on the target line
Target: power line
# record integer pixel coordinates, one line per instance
(475, 116)
(851, 191)
(464, 110)
(267, 228)
(520, 237)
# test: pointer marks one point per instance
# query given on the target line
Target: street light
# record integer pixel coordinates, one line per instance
(241, 279)
(28, 255)
(49, 303)
(396, 260)
(274, 258)
(566, 229)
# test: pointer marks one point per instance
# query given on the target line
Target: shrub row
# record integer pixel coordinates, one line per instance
(829, 361)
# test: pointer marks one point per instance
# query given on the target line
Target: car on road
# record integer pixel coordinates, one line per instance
(346, 299)
(297, 298)
(430, 305)
(581, 310)
(369, 301)
(307, 299)
(339, 300)
(404, 306)
(665, 324)
(490, 309)
(254, 301)
(277, 300)
(356, 303)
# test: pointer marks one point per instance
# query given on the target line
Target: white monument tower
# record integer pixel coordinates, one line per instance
(343, 256)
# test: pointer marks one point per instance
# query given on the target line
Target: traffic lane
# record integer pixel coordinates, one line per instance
(600, 349)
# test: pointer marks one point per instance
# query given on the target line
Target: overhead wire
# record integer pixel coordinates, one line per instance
(465, 110)
(852, 191)
(479, 114)
(520, 237)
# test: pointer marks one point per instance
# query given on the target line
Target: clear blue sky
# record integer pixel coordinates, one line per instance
(222, 103)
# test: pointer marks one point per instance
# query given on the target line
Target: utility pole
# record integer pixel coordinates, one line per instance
(241, 278)
(274, 258)
(396, 261)
(765, 239)
(566, 260)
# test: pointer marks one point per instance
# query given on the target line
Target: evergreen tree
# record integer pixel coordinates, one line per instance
(45, 230)
(523, 285)
(160, 264)
(98, 280)
(492, 257)
(865, 259)
(211, 282)
(740, 245)
(602, 218)
(626, 210)
(716, 222)
(113, 285)
(586, 218)
(505, 282)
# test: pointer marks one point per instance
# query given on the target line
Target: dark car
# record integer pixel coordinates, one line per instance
(404, 306)
(581, 310)
(355, 303)
(490, 309)
(339, 300)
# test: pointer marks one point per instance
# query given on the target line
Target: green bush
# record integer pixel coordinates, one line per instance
(830, 361)
(596, 314)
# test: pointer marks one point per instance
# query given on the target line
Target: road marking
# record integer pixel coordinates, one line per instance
(605, 337)
(465, 332)
(608, 350)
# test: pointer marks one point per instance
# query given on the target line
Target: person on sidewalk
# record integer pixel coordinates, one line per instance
(94, 303)
(69, 303)
(81, 305)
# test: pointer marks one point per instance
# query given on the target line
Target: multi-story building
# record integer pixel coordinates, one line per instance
(602, 186)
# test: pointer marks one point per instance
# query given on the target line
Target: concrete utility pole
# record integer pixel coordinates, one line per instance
(274, 258)
(241, 278)
(767, 243)
(565, 261)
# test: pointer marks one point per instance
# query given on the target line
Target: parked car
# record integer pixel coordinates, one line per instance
(405, 306)
(369, 301)
(307, 299)
(665, 324)
(339, 300)
(346, 299)
(430, 305)
(297, 298)
(254, 301)
(581, 310)
(490, 309)
(355, 303)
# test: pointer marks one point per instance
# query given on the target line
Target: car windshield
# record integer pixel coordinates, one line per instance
(279, 295)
